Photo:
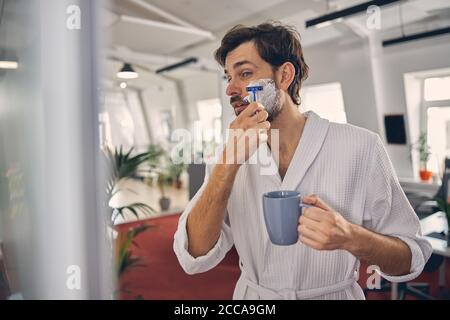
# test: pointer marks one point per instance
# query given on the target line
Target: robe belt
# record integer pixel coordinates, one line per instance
(291, 294)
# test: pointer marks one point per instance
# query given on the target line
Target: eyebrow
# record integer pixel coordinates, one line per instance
(239, 64)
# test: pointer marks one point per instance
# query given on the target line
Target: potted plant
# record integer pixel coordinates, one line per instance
(159, 164)
(164, 180)
(175, 171)
(122, 165)
(424, 152)
(155, 154)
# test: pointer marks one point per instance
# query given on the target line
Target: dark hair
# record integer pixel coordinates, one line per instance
(276, 44)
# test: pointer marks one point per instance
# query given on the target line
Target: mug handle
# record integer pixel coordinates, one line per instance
(302, 205)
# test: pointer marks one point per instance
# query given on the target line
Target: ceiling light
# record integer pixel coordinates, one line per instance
(7, 64)
(127, 72)
(177, 65)
(328, 23)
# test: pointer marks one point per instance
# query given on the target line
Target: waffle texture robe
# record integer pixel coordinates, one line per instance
(348, 168)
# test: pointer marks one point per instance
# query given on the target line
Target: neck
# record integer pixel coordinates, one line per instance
(290, 123)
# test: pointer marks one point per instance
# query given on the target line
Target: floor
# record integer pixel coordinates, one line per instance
(161, 277)
(137, 191)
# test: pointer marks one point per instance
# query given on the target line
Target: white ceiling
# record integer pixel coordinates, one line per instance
(310, 37)
(144, 36)
(410, 12)
(214, 15)
(145, 80)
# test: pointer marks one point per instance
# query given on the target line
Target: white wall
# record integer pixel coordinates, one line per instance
(208, 86)
(373, 81)
(348, 64)
(156, 98)
(395, 61)
(201, 86)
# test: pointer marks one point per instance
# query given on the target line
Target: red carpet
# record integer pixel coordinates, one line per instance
(162, 278)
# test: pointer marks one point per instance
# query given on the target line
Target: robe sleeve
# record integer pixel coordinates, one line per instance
(387, 211)
(204, 263)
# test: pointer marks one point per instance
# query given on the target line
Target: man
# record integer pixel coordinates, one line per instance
(359, 211)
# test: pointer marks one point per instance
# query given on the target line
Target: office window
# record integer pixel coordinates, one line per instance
(166, 127)
(436, 89)
(326, 100)
(135, 107)
(436, 106)
(122, 121)
(438, 133)
(118, 120)
(209, 113)
(207, 130)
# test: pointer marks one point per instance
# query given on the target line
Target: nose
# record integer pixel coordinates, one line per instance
(233, 89)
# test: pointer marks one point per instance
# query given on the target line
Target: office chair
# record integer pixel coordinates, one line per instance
(5, 289)
(420, 290)
(424, 207)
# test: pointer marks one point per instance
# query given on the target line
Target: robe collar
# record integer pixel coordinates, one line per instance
(311, 141)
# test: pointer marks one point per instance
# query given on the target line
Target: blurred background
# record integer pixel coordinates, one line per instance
(93, 94)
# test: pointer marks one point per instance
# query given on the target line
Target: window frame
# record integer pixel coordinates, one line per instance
(304, 90)
(425, 105)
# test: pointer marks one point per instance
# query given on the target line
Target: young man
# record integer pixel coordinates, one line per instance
(359, 211)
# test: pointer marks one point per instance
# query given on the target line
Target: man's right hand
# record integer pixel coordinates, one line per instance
(247, 132)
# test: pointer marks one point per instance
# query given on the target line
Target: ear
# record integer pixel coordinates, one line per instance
(286, 75)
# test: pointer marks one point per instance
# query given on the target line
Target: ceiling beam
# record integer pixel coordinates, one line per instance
(124, 54)
(347, 12)
(162, 13)
(417, 36)
(167, 26)
(275, 12)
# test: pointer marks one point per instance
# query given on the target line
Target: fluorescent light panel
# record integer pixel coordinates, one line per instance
(177, 65)
(360, 8)
(416, 36)
(5, 64)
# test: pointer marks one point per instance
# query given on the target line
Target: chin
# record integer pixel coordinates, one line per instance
(275, 113)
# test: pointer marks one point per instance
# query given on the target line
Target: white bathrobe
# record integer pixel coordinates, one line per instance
(349, 169)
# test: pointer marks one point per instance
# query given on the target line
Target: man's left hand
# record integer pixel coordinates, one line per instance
(322, 228)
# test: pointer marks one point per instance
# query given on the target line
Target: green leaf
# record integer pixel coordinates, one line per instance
(133, 211)
(135, 208)
(442, 204)
(124, 165)
(125, 258)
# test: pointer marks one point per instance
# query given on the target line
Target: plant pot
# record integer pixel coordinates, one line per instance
(177, 184)
(164, 203)
(426, 175)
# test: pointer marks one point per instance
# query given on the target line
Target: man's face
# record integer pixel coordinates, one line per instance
(243, 65)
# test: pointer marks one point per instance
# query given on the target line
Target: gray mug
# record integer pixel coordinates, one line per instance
(282, 210)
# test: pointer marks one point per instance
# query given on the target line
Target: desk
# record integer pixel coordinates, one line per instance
(440, 248)
(419, 187)
(434, 223)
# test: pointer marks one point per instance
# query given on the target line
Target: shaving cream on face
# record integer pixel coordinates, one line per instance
(265, 92)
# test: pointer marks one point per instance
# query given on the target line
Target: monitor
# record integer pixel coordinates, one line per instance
(395, 129)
